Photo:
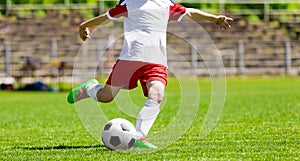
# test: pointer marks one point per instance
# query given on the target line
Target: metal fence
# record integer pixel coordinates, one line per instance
(236, 60)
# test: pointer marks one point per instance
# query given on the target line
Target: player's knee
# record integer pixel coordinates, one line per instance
(160, 97)
(156, 91)
(156, 95)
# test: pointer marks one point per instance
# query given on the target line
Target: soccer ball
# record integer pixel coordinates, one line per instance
(119, 134)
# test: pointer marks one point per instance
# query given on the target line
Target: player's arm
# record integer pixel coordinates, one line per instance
(112, 14)
(221, 20)
(85, 27)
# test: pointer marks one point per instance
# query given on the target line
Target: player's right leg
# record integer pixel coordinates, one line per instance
(94, 90)
(149, 113)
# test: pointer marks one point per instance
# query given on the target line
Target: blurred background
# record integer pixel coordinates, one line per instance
(39, 40)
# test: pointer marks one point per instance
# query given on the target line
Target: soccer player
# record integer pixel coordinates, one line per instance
(143, 56)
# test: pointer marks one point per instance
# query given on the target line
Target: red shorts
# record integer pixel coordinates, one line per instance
(126, 74)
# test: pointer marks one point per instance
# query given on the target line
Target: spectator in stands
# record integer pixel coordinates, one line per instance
(30, 64)
(143, 56)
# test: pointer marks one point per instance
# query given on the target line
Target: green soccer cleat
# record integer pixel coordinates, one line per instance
(144, 143)
(79, 92)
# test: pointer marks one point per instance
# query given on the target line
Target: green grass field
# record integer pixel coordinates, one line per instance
(260, 121)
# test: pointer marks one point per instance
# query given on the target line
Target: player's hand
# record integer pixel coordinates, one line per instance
(222, 22)
(84, 33)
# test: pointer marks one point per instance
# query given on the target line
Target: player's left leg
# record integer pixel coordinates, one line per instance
(149, 112)
(92, 89)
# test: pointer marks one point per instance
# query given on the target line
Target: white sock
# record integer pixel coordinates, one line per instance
(147, 116)
(92, 90)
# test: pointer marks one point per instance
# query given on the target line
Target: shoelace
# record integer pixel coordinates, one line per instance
(144, 139)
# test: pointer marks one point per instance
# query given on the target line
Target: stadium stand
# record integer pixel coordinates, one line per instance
(45, 47)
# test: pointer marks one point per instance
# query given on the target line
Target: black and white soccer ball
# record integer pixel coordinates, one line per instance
(119, 134)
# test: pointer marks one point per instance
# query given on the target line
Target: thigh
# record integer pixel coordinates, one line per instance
(154, 75)
(125, 74)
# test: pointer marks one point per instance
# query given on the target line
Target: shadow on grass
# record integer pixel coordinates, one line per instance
(61, 147)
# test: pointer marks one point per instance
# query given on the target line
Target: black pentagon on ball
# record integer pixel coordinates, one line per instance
(131, 142)
(107, 126)
(115, 140)
(105, 145)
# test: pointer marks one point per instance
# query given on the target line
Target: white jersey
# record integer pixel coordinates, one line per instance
(145, 28)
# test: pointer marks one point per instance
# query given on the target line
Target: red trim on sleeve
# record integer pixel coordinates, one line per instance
(118, 11)
(176, 11)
